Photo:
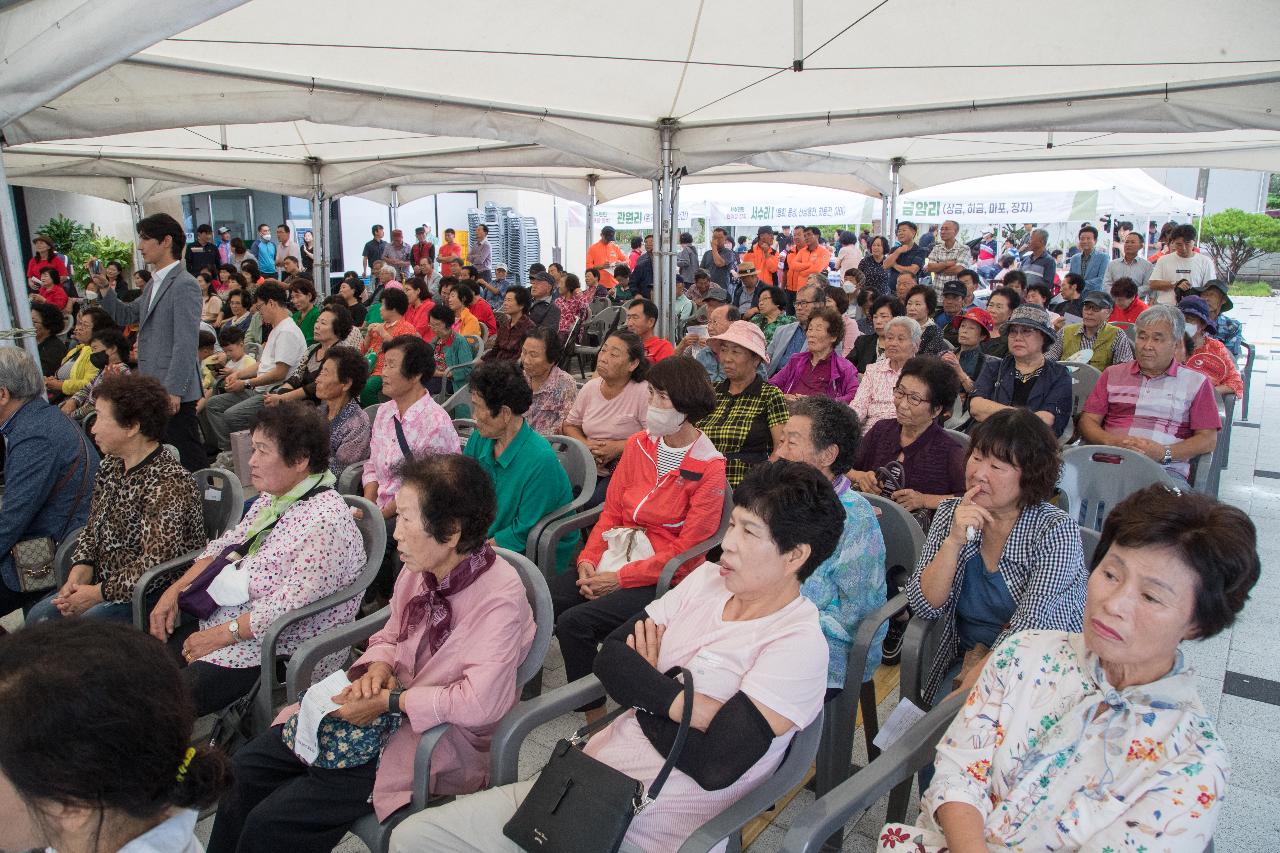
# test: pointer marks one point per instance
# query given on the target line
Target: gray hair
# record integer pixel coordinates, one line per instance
(1157, 314)
(819, 290)
(912, 327)
(19, 373)
(1042, 234)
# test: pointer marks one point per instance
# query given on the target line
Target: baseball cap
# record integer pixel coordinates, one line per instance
(1098, 299)
(222, 229)
(954, 287)
(717, 294)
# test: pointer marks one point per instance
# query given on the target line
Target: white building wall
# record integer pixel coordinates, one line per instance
(111, 217)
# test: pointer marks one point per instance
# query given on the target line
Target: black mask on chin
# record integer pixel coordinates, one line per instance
(99, 359)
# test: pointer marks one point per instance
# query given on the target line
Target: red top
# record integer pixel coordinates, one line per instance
(656, 349)
(484, 314)
(35, 266)
(1128, 315)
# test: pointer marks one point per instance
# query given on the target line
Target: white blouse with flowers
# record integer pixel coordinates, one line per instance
(1055, 758)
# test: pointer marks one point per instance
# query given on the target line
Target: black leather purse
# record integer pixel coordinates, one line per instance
(581, 805)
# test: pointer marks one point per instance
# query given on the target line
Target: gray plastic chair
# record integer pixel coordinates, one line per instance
(852, 799)
(372, 412)
(1090, 539)
(1083, 378)
(903, 537)
(598, 328)
(673, 565)
(516, 726)
(376, 834)
(461, 397)
(1247, 375)
(1097, 477)
(962, 437)
(173, 451)
(349, 480)
(464, 427)
(580, 466)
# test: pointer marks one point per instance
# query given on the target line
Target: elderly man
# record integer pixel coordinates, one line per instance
(748, 287)
(1037, 260)
(49, 470)
(790, 339)
(717, 324)
(907, 257)
(286, 247)
(763, 258)
(1181, 270)
(397, 253)
(1154, 405)
(949, 257)
(423, 253)
(850, 584)
(1094, 340)
(720, 259)
(1130, 265)
(1090, 265)
(642, 316)
(542, 310)
(807, 256)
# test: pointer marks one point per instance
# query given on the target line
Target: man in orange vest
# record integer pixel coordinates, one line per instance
(804, 260)
(763, 256)
(603, 255)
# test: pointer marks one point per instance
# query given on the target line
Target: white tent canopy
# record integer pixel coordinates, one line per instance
(745, 204)
(1042, 197)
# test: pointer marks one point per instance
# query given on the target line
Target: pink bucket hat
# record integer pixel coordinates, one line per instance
(744, 334)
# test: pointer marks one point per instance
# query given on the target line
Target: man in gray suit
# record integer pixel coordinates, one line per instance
(168, 318)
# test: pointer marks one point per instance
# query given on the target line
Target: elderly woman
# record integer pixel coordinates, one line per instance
(872, 266)
(1001, 306)
(553, 390)
(746, 425)
(145, 510)
(332, 327)
(239, 304)
(1143, 768)
(49, 323)
(1001, 559)
(759, 664)
(458, 628)
(822, 368)
(350, 291)
(1025, 378)
(611, 408)
(870, 347)
(530, 481)
(418, 293)
(910, 457)
(666, 497)
(922, 305)
(123, 775)
(110, 354)
(451, 350)
(874, 400)
(973, 328)
(337, 388)
(1228, 329)
(77, 368)
(300, 544)
(771, 313)
(1207, 354)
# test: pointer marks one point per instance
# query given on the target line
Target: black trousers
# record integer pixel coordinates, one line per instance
(184, 434)
(582, 625)
(212, 687)
(277, 803)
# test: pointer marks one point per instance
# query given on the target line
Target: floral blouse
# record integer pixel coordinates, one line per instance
(769, 328)
(1055, 758)
(348, 435)
(571, 308)
(551, 403)
(315, 549)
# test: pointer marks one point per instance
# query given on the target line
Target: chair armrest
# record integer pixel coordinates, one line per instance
(553, 532)
(855, 672)
(419, 796)
(141, 612)
(848, 801)
(504, 750)
(303, 661)
(62, 557)
(919, 645)
(350, 478)
(673, 565)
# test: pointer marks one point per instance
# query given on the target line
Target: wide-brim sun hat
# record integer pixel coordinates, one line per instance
(1220, 286)
(978, 315)
(744, 334)
(1033, 317)
(1194, 306)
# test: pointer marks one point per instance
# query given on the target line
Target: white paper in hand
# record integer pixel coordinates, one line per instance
(900, 721)
(316, 705)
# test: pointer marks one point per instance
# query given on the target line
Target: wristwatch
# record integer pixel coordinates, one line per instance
(234, 627)
(1168, 455)
(393, 702)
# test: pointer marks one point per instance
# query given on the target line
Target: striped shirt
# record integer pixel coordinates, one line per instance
(669, 458)
(1167, 408)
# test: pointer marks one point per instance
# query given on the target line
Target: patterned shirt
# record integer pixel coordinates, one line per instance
(551, 403)
(138, 519)
(1230, 333)
(571, 308)
(348, 435)
(1167, 408)
(1042, 565)
(375, 342)
(876, 276)
(770, 327)
(1055, 758)
(874, 399)
(506, 345)
(959, 254)
(849, 585)
(314, 550)
(398, 255)
(427, 429)
(1212, 359)
(741, 425)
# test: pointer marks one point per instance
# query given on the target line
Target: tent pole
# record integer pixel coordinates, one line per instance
(15, 307)
(135, 210)
(895, 186)
(320, 228)
(591, 208)
(666, 226)
(393, 208)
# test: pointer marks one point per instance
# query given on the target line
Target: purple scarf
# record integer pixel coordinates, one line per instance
(433, 603)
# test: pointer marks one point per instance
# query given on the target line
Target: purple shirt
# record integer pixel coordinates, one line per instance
(834, 377)
(934, 462)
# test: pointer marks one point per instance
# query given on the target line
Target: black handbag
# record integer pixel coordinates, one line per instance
(581, 805)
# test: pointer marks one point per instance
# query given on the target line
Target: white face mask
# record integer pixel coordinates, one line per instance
(849, 287)
(663, 422)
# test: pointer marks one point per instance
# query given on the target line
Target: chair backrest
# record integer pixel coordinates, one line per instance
(598, 305)
(903, 537)
(372, 411)
(223, 499)
(373, 533)
(62, 557)
(253, 349)
(464, 427)
(539, 594)
(578, 463)
(461, 397)
(173, 451)
(349, 481)
(1095, 478)
(962, 437)
(87, 423)
(1083, 378)
(1090, 539)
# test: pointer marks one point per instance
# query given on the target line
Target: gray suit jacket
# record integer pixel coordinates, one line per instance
(168, 331)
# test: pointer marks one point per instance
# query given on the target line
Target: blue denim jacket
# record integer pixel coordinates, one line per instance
(41, 446)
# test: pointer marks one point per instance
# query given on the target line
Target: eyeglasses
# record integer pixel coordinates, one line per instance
(807, 302)
(913, 399)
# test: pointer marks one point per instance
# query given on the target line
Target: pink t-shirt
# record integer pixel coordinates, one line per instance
(611, 420)
(779, 661)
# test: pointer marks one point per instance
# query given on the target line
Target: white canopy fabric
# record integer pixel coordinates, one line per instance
(1042, 197)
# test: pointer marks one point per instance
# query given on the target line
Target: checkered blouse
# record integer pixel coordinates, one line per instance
(740, 425)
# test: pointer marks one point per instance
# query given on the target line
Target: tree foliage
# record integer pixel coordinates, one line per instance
(1233, 238)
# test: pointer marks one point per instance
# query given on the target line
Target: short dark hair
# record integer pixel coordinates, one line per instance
(1089, 229)
(229, 335)
(835, 323)
(930, 297)
(971, 275)
(204, 228)
(464, 293)
(395, 299)
(356, 285)
(1075, 280)
(1183, 232)
(157, 226)
(1124, 286)
(455, 495)
(272, 291)
(637, 242)
(837, 296)
(777, 294)
(419, 284)
(522, 296)
(832, 424)
(909, 224)
(500, 383)
(98, 317)
(443, 313)
(130, 692)
(1041, 288)
(1217, 541)
(1014, 276)
(646, 305)
(206, 340)
(416, 357)
(1013, 297)
(798, 505)
(622, 271)
(137, 400)
(732, 314)
(113, 337)
(635, 352)
(342, 321)
(53, 320)
(1019, 438)
(938, 377)
(302, 284)
(375, 229)
(571, 282)
(893, 303)
(299, 431)
(686, 238)
(685, 381)
(471, 270)
(351, 367)
(536, 268)
(248, 266)
(54, 275)
(245, 295)
(550, 342)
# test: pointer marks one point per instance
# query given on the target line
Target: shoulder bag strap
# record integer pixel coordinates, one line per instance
(82, 459)
(404, 442)
(686, 717)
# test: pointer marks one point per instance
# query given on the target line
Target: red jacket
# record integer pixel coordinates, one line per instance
(484, 314)
(676, 513)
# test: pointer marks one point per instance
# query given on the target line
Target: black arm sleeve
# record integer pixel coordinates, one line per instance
(736, 739)
(630, 679)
